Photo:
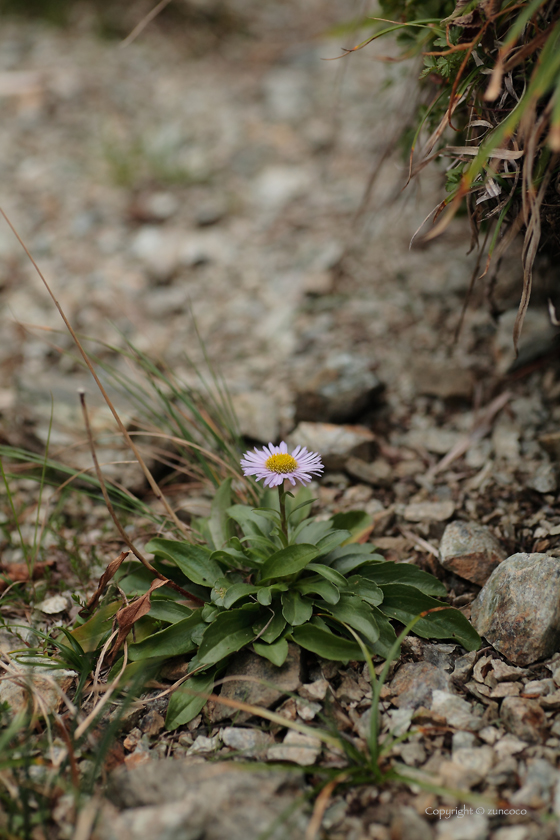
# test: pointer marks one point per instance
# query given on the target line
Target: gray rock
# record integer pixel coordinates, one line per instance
(54, 605)
(315, 690)
(159, 250)
(470, 550)
(257, 414)
(335, 443)
(537, 785)
(438, 441)
(412, 753)
(204, 745)
(544, 479)
(286, 95)
(478, 759)
(153, 207)
(429, 511)
(523, 718)
(414, 683)
(377, 472)
(173, 800)
(455, 710)
(342, 389)
(251, 742)
(442, 380)
(462, 740)
(276, 186)
(409, 825)
(22, 683)
(463, 667)
(505, 440)
(551, 443)
(518, 609)
(509, 745)
(296, 747)
(504, 772)
(210, 212)
(254, 690)
(473, 827)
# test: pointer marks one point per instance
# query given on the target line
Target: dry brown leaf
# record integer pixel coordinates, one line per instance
(20, 572)
(129, 615)
(107, 575)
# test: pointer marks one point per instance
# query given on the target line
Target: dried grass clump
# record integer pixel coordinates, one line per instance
(492, 73)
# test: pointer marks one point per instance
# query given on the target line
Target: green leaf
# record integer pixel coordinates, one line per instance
(295, 609)
(295, 508)
(219, 523)
(353, 611)
(269, 627)
(276, 652)
(250, 522)
(228, 633)
(209, 612)
(351, 549)
(171, 641)
(332, 540)
(351, 562)
(193, 560)
(169, 611)
(272, 515)
(405, 573)
(184, 705)
(231, 557)
(219, 590)
(326, 644)
(328, 573)
(366, 589)
(288, 561)
(265, 545)
(134, 579)
(91, 634)
(358, 522)
(404, 603)
(238, 591)
(324, 588)
(311, 532)
(387, 635)
(266, 593)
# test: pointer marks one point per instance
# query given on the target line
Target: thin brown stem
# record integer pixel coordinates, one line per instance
(151, 480)
(114, 517)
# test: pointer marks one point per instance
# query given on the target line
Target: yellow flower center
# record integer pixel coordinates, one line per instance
(281, 463)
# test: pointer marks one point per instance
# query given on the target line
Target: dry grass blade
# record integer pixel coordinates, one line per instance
(530, 247)
(151, 480)
(114, 517)
(480, 430)
(321, 805)
(144, 23)
(107, 575)
(128, 616)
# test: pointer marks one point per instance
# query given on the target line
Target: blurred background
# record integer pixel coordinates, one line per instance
(219, 178)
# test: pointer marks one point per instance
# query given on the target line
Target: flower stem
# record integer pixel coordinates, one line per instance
(283, 519)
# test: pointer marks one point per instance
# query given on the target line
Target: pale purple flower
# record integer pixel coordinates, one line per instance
(275, 464)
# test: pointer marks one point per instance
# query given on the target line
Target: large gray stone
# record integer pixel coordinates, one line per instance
(338, 392)
(470, 550)
(523, 718)
(264, 683)
(175, 800)
(335, 443)
(415, 682)
(518, 609)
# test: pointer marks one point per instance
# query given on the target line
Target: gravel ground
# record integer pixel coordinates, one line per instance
(217, 170)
